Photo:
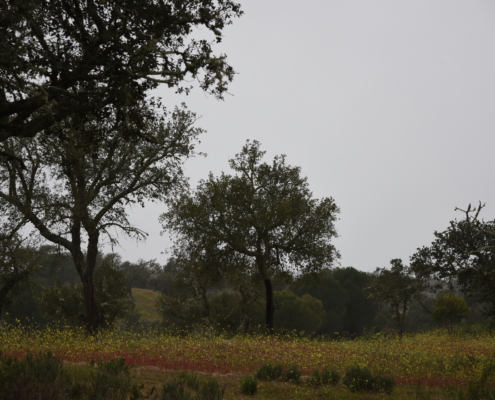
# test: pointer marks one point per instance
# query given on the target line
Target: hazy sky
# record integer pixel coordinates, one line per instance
(387, 106)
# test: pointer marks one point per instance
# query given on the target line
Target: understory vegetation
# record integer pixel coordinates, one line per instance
(430, 365)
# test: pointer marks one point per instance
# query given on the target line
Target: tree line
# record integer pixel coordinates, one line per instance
(82, 139)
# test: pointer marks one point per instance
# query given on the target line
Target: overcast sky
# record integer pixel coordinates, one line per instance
(387, 106)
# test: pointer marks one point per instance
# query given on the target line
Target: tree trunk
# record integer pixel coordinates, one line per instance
(270, 307)
(85, 269)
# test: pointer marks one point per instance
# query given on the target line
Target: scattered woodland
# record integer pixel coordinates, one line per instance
(252, 299)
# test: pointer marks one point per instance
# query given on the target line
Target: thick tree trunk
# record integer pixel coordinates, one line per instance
(270, 307)
(85, 269)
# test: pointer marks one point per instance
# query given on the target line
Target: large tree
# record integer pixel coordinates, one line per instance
(464, 253)
(73, 190)
(265, 213)
(60, 58)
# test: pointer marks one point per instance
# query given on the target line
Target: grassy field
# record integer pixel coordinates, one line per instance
(434, 360)
(145, 303)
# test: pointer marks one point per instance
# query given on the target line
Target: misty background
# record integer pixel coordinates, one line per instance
(388, 107)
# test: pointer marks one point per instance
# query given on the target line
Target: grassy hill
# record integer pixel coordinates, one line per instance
(145, 303)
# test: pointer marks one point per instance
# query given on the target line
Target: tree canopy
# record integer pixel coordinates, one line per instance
(73, 190)
(60, 58)
(398, 287)
(264, 213)
(464, 253)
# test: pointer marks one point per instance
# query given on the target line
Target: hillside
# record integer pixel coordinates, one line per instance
(145, 303)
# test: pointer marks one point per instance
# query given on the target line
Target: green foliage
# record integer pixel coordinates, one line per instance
(190, 387)
(191, 380)
(38, 376)
(325, 377)
(397, 287)
(360, 310)
(268, 372)
(210, 390)
(329, 377)
(315, 378)
(249, 385)
(48, 77)
(298, 313)
(263, 214)
(450, 309)
(65, 301)
(292, 374)
(334, 298)
(482, 388)
(463, 253)
(359, 379)
(111, 380)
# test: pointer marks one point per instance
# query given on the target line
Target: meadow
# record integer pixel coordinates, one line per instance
(433, 360)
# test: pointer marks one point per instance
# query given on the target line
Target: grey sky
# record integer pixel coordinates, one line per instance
(387, 106)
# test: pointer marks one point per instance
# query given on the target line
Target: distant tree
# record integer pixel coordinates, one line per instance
(450, 310)
(73, 191)
(66, 58)
(398, 287)
(188, 303)
(138, 274)
(360, 310)
(464, 253)
(265, 213)
(335, 299)
(303, 314)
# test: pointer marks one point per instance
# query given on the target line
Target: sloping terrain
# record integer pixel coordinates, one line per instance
(145, 303)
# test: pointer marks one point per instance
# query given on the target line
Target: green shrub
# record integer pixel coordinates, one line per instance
(267, 372)
(191, 380)
(315, 378)
(249, 385)
(329, 377)
(185, 385)
(383, 384)
(359, 379)
(111, 381)
(37, 377)
(175, 390)
(210, 390)
(292, 374)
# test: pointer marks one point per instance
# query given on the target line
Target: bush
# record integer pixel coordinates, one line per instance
(315, 379)
(249, 385)
(359, 379)
(267, 372)
(175, 390)
(191, 380)
(37, 377)
(184, 387)
(292, 374)
(329, 377)
(111, 381)
(210, 390)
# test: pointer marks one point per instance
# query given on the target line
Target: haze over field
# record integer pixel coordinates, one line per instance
(387, 107)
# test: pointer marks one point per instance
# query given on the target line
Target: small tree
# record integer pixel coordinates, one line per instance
(463, 253)
(265, 213)
(397, 287)
(303, 314)
(450, 310)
